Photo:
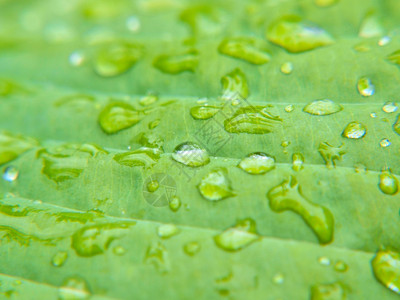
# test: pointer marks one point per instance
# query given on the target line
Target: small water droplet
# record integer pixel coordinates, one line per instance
(298, 161)
(237, 237)
(119, 250)
(204, 112)
(257, 163)
(354, 130)
(325, 261)
(386, 268)
(278, 278)
(216, 186)
(133, 23)
(149, 99)
(287, 68)
(372, 115)
(153, 186)
(322, 107)
(10, 174)
(365, 87)
(59, 259)
(385, 143)
(384, 41)
(166, 231)
(175, 204)
(191, 248)
(74, 288)
(341, 266)
(285, 144)
(191, 154)
(389, 107)
(388, 183)
(77, 58)
(333, 291)
(289, 108)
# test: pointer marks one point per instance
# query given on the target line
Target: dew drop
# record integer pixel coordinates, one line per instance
(10, 174)
(59, 259)
(119, 250)
(354, 130)
(385, 143)
(257, 163)
(133, 23)
(74, 288)
(386, 268)
(333, 291)
(287, 68)
(389, 107)
(191, 248)
(153, 186)
(289, 108)
(76, 58)
(278, 278)
(322, 107)
(296, 35)
(216, 186)
(191, 154)
(175, 204)
(388, 183)
(166, 231)
(237, 237)
(341, 266)
(298, 161)
(365, 87)
(325, 261)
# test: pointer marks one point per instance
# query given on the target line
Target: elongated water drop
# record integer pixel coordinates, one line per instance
(354, 130)
(166, 231)
(143, 157)
(216, 186)
(59, 259)
(191, 248)
(10, 174)
(257, 163)
(389, 107)
(298, 161)
(175, 64)
(332, 291)
(148, 99)
(388, 183)
(296, 35)
(234, 85)
(191, 154)
(237, 237)
(204, 112)
(322, 107)
(365, 87)
(386, 268)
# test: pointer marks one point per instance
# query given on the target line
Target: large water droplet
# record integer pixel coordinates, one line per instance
(234, 84)
(117, 116)
(175, 64)
(296, 35)
(333, 291)
(354, 130)
(74, 288)
(216, 185)
(237, 237)
(204, 112)
(386, 268)
(388, 183)
(191, 248)
(365, 87)
(59, 259)
(322, 107)
(389, 107)
(10, 174)
(330, 153)
(257, 163)
(143, 157)
(166, 231)
(116, 58)
(287, 196)
(298, 161)
(249, 49)
(191, 154)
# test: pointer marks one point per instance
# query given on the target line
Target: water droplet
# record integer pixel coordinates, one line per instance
(133, 23)
(386, 268)
(384, 41)
(322, 107)
(394, 57)
(330, 153)
(157, 255)
(10, 174)
(191, 248)
(237, 237)
(204, 112)
(388, 183)
(341, 266)
(252, 50)
(153, 186)
(372, 115)
(116, 58)
(389, 107)
(191, 154)
(77, 58)
(365, 87)
(325, 261)
(354, 130)
(216, 186)
(296, 35)
(285, 144)
(325, 3)
(143, 157)
(148, 99)
(12, 145)
(371, 26)
(257, 163)
(96, 239)
(252, 119)
(74, 288)
(333, 291)
(287, 68)
(278, 278)
(287, 196)
(298, 161)
(234, 84)
(166, 231)
(175, 64)
(385, 143)
(289, 108)
(59, 259)
(119, 250)
(175, 204)
(117, 116)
